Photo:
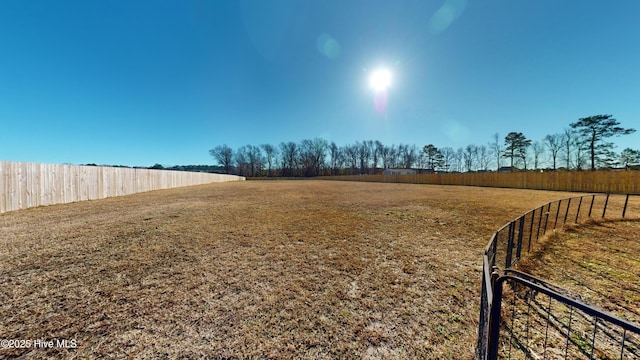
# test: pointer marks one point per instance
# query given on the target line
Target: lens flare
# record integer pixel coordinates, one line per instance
(328, 46)
(380, 102)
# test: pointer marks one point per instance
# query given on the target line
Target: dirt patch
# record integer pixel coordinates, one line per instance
(278, 269)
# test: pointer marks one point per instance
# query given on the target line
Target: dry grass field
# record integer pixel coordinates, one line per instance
(273, 269)
(598, 263)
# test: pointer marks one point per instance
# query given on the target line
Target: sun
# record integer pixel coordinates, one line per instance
(380, 80)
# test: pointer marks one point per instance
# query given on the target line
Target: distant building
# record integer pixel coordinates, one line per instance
(399, 172)
(619, 168)
(506, 169)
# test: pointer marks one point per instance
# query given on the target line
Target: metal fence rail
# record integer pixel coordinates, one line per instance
(531, 318)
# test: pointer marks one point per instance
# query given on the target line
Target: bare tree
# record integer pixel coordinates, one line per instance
(312, 154)
(384, 154)
(364, 154)
(389, 156)
(334, 154)
(289, 154)
(458, 160)
(447, 158)
(554, 143)
(377, 154)
(574, 149)
(484, 157)
(523, 156)
(255, 159)
(351, 153)
(306, 157)
(469, 156)
(400, 156)
(409, 155)
(270, 152)
(538, 150)
(342, 159)
(319, 152)
(568, 142)
(421, 161)
(394, 156)
(496, 149)
(242, 161)
(224, 155)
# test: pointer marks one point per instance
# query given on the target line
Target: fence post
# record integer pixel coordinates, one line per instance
(539, 222)
(604, 209)
(509, 245)
(494, 251)
(533, 217)
(494, 320)
(520, 230)
(624, 209)
(566, 214)
(546, 219)
(593, 198)
(555, 223)
(481, 348)
(578, 212)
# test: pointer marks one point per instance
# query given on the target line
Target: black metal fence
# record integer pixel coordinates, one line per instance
(530, 318)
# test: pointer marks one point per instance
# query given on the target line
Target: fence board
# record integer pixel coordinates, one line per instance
(24, 185)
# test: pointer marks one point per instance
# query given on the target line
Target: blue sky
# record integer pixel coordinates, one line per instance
(144, 82)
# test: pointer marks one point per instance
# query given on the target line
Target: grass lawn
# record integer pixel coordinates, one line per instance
(255, 269)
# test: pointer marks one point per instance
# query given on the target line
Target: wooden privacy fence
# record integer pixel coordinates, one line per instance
(623, 182)
(24, 185)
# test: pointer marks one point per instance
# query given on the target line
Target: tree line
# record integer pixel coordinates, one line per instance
(584, 145)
